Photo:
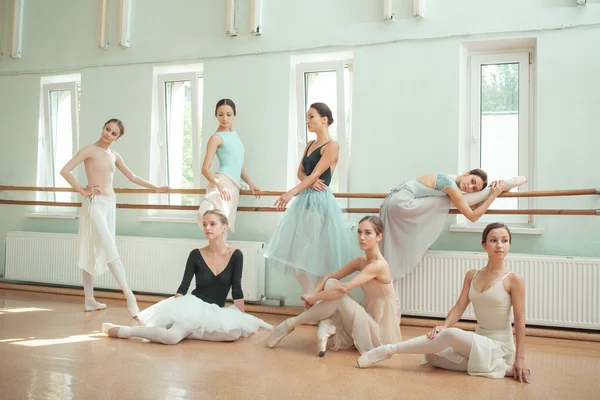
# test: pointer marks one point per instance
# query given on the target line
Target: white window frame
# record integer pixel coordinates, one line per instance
(46, 178)
(163, 178)
(343, 167)
(526, 129)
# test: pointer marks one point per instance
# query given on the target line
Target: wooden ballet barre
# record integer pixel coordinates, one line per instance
(273, 209)
(539, 193)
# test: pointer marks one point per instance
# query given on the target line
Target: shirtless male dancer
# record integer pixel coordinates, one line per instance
(96, 245)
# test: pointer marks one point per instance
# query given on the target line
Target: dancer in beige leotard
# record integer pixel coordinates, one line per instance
(96, 246)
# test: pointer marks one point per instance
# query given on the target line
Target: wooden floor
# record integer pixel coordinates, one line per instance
(51, 349)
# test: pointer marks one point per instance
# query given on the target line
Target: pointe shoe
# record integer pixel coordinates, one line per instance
(324, 337)
(374, 356)
(107, 326)
(94, 306)
(272, 340)
(132, 306)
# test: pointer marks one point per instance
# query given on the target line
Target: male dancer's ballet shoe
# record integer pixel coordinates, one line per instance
(283, 329)
(326, 330)
(94, 306)
(376, 355)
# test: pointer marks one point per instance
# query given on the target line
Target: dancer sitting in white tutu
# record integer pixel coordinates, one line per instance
(96, 246)
(223, 190)
(366, 325)
(490, 351)
(415, 213)
(217, 268)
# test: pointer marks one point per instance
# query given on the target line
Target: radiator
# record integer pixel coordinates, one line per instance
(559, 291)
(153, 265)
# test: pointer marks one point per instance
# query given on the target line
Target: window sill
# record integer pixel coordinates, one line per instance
(515, 229)
(51, 216)
(177, 220)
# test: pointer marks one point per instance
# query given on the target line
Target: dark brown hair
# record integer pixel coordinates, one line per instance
(375, 221)
(324, 111)
(491, 227)
(119, 124)
(225, 102)
(482, 174)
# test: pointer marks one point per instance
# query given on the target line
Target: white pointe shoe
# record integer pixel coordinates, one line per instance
(94, 306)
(273, 340)
(329, 331)
(376, 355)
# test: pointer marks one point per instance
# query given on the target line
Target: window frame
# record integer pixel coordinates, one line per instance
(343, 129)
(526, 156)
(162, 141)
(46, 173)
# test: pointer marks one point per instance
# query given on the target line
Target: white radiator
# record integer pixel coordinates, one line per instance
(559, 291)
(152, 265)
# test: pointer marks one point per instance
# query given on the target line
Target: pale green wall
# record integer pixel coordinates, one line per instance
(405, 104)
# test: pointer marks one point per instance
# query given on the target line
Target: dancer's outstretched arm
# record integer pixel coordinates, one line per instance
(253, 188)
(459, 308)
(120, 164)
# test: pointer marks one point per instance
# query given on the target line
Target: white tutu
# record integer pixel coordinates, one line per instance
(200, 316)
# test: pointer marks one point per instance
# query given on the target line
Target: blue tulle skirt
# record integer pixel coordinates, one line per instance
(314, 236)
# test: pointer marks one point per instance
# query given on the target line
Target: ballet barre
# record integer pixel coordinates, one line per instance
(273, 209)
(539, 193)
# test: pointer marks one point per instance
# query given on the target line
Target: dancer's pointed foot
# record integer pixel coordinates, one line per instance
(376, 355)
(281, 331)
(326, 330)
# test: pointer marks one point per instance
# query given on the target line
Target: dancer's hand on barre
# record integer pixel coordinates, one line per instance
(283, 200)
(255, 191)
(520, 371)
(496, 188)
(319, 185)
(435, 331)
(162, 189)
(88, 191)
(225, 194)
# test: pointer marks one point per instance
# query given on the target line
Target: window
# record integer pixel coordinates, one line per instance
(58, 139)
(179, 135)
(329, 83)
(500, 119)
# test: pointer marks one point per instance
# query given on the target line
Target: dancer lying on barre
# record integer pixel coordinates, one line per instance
(490, 351)
(96, 246)
(218, 268)
(344, 322)
(415, 213)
